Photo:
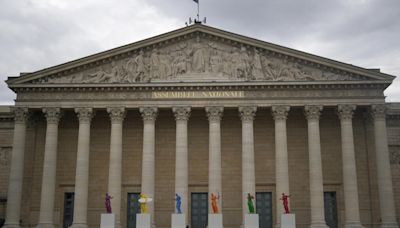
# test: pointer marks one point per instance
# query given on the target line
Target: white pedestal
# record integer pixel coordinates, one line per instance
(288, 221)
(215, 221)
(178, 221)
(143, 221)
(251, 221)
(107, 221)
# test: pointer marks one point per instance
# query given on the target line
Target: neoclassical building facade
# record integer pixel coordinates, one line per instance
(198, 111)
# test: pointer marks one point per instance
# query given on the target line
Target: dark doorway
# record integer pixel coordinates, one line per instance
(264, 209)
(68, 209)
(133, 209)
(199, 210)
(330, 209)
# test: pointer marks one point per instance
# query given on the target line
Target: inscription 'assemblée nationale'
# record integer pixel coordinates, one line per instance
(197, 94)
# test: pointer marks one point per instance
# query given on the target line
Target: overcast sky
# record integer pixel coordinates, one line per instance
(36, 34)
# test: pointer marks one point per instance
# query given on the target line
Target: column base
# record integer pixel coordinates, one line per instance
(389, 225)
(79, 225)
(11, 226)
(45, 225)
(353, 225)
(319, 225)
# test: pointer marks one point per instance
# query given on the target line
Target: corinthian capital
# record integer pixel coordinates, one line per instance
(247, 113)
(21, 114)
(378, 111)
(117, 114)
(181, 113)
(149, 113)
(85, 115)
(53, 115)
(345, 112)
(215, 113)
(312, 112)
(280, 112)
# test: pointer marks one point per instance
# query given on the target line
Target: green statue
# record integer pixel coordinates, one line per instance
(250, 203)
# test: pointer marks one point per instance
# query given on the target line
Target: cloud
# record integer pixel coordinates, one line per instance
(42, 33)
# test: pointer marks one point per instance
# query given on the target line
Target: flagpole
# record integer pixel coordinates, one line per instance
(198, 10)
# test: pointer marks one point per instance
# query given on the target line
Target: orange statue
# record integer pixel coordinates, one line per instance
(214, 204)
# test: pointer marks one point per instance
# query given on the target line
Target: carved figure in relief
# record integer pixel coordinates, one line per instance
(179, 64)
(155, 64)
(140, 68)
(270, 68)
(103, 76)
(199, 57)
(108, 203)
(235, 59)
(241, 63)
(165, 66)
(285, 73)
(136, 68)
(257, 71)
(216, 62)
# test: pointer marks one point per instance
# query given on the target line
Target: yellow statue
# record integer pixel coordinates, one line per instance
(143, 200)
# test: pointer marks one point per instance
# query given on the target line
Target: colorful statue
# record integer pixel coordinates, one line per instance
(285, 199)
(143, 203)
(178, 203)
(108, 203)
(250, 203)
(143, 200)
(214, 204)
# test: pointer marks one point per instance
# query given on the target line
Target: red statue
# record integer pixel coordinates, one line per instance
(214, 203)
(285, 199)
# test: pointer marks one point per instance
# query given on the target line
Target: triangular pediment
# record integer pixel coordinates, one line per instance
(199, 53)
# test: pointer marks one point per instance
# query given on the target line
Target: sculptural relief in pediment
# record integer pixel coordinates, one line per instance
(200, 59)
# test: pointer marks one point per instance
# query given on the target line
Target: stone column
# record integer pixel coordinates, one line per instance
(46, 215)
(385, 187)
(214, 114)
(117, 116)
(350, 188)
(279, 114)
(247, 114)
(315, 163)
(17, 169)
(82, 168)
(182, 115)
(149, 115)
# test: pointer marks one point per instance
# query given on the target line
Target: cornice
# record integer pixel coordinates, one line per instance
(331, 85)
(211, 33)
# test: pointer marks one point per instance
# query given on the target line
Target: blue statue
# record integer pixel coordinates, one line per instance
(178, 203)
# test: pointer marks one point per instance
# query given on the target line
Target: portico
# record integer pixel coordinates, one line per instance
(302, 133)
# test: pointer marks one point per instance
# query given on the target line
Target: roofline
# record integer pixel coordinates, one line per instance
(202, 28)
